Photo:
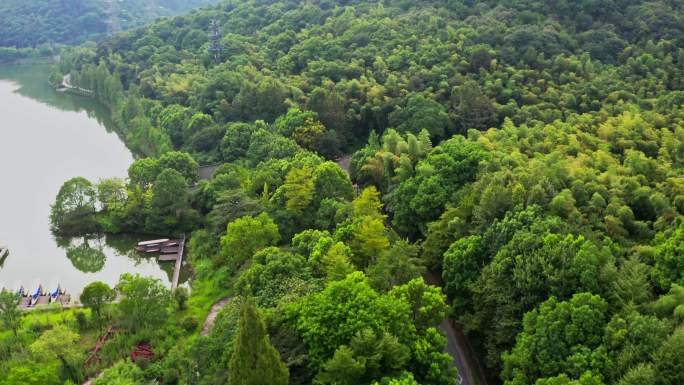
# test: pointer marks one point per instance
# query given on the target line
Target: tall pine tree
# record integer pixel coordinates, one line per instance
(255, 361)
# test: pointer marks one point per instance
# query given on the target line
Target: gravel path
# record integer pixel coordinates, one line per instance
(213, 313)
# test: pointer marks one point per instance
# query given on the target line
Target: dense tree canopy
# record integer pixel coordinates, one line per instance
(31, 24)
(530, 152)
(255, 361)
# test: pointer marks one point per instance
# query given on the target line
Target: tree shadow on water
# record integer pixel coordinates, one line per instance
(85, 254)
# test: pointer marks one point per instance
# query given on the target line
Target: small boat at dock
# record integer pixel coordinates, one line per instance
(163, 246)
(153, 242)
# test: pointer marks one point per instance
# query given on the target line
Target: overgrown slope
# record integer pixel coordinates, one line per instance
(530, 151)
(31, 23)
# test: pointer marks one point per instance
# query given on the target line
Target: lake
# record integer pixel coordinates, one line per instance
(46, 138)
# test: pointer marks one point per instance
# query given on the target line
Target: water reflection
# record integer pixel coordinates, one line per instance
(31, 81)
(86, 255)
(47, 138)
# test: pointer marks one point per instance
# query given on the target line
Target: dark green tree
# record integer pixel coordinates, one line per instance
(170, 203)
(421, 113)
(559, 338)
(473, 108)
(247, 235)
(236, 141)
(181, 296)
(143, 172)
(181, 162)
(74, 208)
(669, 360)
(96, 296)
(255, 361)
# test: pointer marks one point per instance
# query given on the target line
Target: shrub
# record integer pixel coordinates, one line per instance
(81, 320)
(190, 323)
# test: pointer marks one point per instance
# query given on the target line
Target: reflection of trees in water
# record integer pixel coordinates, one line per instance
(87, 256)
(32, 81)
(124, 245)
(87, 253)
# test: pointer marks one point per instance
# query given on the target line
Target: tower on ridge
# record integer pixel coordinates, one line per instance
(215, 40)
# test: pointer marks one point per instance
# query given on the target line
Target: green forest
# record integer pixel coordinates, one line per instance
(528, 154)
(31, 28)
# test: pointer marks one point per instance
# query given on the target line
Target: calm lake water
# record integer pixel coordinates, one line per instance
(46, 138)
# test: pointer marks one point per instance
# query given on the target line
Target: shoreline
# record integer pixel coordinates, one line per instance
(29, 61)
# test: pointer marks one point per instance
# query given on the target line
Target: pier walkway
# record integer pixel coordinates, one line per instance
(179, 264)
(169, 250)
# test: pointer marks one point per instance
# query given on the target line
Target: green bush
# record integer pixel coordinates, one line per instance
(81, 320)
(190, 323)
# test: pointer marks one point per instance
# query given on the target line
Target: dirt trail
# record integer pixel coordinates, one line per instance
(213, 313)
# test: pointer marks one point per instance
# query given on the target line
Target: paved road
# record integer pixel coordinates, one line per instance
(457, 347)
(344, 162)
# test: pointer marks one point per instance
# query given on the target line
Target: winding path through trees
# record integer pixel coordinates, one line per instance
(458, 348)
(470, 373)
(213, 313)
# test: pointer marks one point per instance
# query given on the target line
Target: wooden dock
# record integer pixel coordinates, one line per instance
(169, 250)
(179, 264)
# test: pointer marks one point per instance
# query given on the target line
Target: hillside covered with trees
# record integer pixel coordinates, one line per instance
(31, 27)
(531, 153)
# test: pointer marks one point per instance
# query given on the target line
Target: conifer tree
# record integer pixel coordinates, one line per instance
(255, 361)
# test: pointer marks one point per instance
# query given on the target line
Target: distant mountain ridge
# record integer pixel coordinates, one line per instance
(27, 24)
